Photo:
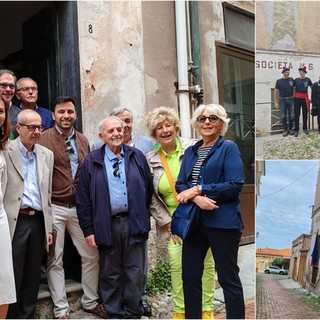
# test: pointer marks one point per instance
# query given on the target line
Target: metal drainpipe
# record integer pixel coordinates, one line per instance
(182, 61)
(195, 43)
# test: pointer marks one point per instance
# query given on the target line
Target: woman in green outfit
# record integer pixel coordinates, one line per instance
(164, 124)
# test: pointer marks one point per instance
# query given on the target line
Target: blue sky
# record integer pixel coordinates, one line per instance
(284, 206)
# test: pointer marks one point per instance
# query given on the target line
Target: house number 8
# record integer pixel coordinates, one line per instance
(91, 29)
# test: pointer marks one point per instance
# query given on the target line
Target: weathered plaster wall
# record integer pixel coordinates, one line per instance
(111, 61)
(210, 23)
(286, 35)
(159, 46)
(268, 70)
(288, 25)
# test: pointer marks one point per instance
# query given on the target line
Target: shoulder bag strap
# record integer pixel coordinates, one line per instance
(168, 172)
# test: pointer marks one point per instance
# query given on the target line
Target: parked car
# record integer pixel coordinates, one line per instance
(275, 269)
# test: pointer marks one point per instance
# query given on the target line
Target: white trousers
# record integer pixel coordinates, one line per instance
(66, 218)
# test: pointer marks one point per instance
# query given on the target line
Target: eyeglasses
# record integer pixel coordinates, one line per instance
(69, 146)
(116, 171)
(32, 127)
(6, 85)
(25, 89)
(212, 118)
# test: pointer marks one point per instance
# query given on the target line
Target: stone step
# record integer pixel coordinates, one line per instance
(45, 306)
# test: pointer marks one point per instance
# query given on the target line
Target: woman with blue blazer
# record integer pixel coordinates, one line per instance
(211, 176)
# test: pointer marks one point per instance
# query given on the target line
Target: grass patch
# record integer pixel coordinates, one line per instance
(159, 280)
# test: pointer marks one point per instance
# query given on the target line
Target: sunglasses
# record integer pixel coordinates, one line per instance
(69, 146)
(115, 166)
(212, 118)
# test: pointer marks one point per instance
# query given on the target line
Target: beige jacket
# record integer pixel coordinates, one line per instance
(158, 208)
(15, 184)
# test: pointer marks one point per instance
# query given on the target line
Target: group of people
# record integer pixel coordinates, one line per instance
(51, 182)
(292, 96)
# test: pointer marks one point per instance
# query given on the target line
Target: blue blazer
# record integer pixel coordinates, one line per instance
(221, 177)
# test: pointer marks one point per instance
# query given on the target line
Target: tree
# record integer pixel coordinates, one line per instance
(286, 264)
(277, 262)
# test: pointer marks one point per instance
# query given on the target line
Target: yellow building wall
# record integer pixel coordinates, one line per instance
(262, 261)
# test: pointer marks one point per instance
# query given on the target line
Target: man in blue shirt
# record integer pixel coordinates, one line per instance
(113, 198)
(144, 144)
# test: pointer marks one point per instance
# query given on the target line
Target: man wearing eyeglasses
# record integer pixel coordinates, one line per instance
(27, 93)
(113, 198)
(27, 200)
(7, 91)
(70, 147)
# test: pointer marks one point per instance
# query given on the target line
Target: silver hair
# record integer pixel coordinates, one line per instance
(118, 110)
(215, 109)
(101, 124)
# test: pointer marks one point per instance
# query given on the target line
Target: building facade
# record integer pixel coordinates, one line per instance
(286, 36)
(299, 258)
(140, 54)
(265, 256)
(313, 261)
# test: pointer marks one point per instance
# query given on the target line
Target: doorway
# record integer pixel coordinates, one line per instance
(40, 40)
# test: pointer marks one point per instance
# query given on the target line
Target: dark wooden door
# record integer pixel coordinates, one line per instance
(41, 53)
(247, 204)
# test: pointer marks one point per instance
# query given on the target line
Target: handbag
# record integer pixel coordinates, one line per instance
(186, 217)
(185, 220)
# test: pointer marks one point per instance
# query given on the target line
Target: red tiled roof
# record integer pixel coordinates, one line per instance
(285, 253)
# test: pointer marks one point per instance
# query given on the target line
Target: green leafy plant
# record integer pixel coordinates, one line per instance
(159, 280)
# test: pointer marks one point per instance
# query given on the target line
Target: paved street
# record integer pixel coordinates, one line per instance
(280, 301)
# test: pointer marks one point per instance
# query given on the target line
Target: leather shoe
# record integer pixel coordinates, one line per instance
(147, 311)
(98, 311)
(63, 317)
(296, 133)
(306, 131)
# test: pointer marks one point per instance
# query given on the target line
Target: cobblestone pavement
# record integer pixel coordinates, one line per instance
(305, 146)
(274, 301)
(162, 309)
(250, 310)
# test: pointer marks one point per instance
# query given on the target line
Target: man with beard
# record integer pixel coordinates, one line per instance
(70, 147)
(7, 91)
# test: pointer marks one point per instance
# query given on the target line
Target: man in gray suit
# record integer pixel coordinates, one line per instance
(27, 200)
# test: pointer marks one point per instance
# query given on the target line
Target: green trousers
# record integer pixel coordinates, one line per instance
(208, 284)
